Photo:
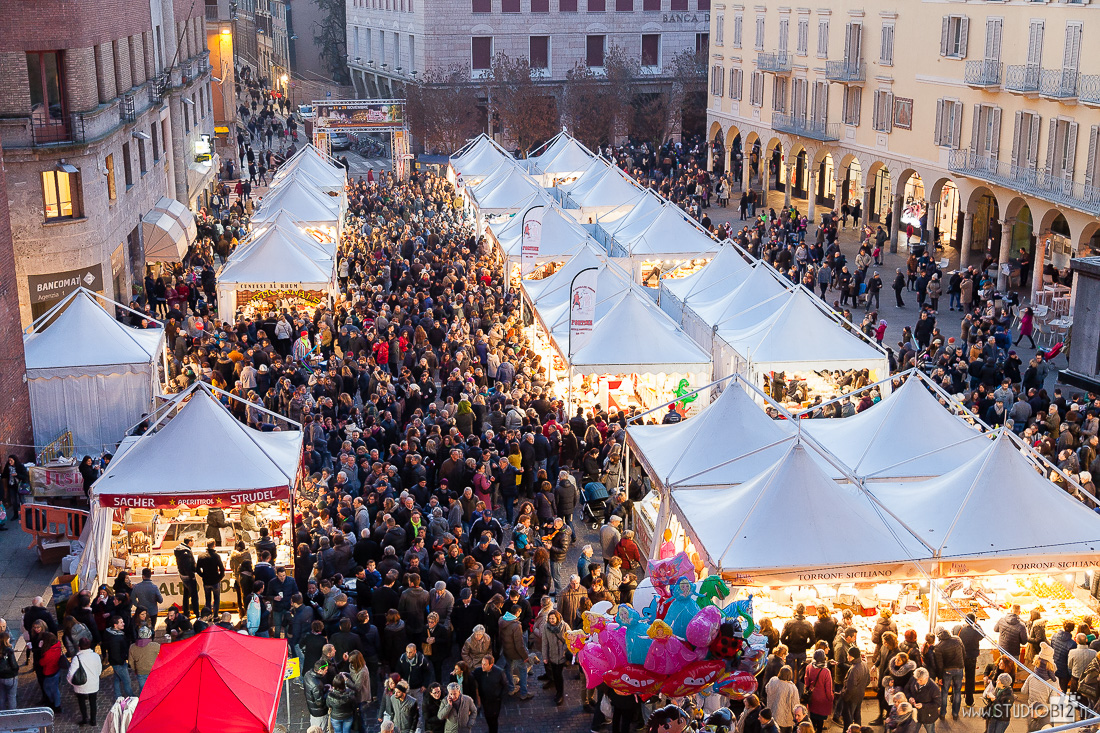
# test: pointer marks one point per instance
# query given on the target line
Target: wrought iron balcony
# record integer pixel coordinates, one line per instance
(845, 71)
(158, 85)
(1088, 89)
(1030, 181)
(813, 129)
(127, 109)
(1023, 78)
(774, 62)
(984, 73)
(1058, 83)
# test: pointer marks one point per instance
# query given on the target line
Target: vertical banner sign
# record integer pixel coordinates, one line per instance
(531, 239)
(582, 309)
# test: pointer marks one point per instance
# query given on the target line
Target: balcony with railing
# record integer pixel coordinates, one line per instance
(1058, 83)
(1088, 89)
(1030, 181)
(1023, 78)
(813, 129)
(127, 109)
(847, 71)
(158, 85)
(775, 62)
(57, 131)
(983, 73)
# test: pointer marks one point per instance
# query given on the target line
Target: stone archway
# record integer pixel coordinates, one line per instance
(880, 200)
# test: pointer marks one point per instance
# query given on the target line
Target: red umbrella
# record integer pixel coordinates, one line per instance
(217, 681)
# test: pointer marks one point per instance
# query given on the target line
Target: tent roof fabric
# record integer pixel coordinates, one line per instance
(667, 234)
(714, 279)
(278, 255)
(588, 177)
(479, 159)
(907, 434)
(746, 303)
(202, 450)
(505, 189)
(635, 336)
(612, 188)
(641, 212)
(86, 335)
(218, 681)
(165, 239)
(302, 200)
(964, 513)
(292, 228)
(311, 161)
(564, 155)
(799, 332)
(560, 234)
(180, 213)
(747, 527)
(584, 255)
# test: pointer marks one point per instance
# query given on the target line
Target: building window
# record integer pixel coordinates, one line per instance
(567, 6)
(141, 157)
(759, 33)
(886, 51)
(540, 52)
(883, 114)
(702, 44)
(155, 138)
(823, 38)
(128, 173)
(756, 91)
(784, 35)
(678, 5)
(47, 93)
(853, 97)
(948, 123)
(109, 164)
(779, 94)
(953, 35)
(719, 30)
(483, 6)
(540, 6)
(803, 44)
(651, 5)
(738, 26)
(60, 195)
(651, 49)
(717, 77)
(594, 51)
(624, 6)
(482, 52)
(704, 4)
(597, 6)
(509, 6)
(735, 84)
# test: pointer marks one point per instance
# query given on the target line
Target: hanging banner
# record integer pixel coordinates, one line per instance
(221, 499)
(58, 481)
(582, 308)
(531, 239)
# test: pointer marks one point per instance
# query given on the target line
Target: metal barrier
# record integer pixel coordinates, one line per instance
(59, 447)
(54, 522)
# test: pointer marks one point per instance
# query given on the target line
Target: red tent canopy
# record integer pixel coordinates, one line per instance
(218, 681)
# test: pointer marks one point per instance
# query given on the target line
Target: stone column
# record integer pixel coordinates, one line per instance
(895, 235)
(124, 80)
(787, 187)
(80, 79)
(964, 245)
(866, 203)
(1002, 260)
(178, 150)
(811, 198)
(710, 155)
(105, 72)
(745, 180)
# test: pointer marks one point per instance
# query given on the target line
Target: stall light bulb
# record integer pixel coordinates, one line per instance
(924, 583)
(1069, 577)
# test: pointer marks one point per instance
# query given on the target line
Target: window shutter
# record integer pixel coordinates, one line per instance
(964, 28)
(1071, 150)
(1071, 56)
(945, 32)
(956, 129)
(737, 20)
(1035, 44)
(857, 43)
(995, 142)
(784, 27)
(938, 134)
(976, 131)
(1017, 137)
(1033, 148)
(847, 41)
(1090, 165)
(889, 111)
(1051, 144)
(875, 111)
(998, 29)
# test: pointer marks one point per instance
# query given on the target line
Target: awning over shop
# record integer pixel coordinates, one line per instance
(750, 532)
(163, 237)
(180, 213)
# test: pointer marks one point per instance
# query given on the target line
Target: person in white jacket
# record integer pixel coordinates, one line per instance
(86, 694)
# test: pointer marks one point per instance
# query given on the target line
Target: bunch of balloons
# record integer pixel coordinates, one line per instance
(680, 644)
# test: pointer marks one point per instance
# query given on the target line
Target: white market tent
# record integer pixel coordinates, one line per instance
(906, 435)
(552, 307)
(718, 277)
(746, 531)
(336, 193)
(587, 178)
(296, 230)
(278, 258)
(671, 236)
(797, 334)
(610, 191)
(315, 164)
(477, 159)
(744, 304)
(560, 233)
(89, 373)
(586, 254)
(562, 159)
(196, 453)
(636, 337)
(504, 191)
(975, 517)
(727, 443)
(302, 201)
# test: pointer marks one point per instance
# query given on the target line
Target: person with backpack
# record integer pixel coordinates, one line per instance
(9, 673)
(84, 672)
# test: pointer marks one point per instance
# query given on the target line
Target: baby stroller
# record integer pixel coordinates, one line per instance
(594, 495)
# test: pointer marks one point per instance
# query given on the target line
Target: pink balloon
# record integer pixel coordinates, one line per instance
(614, 641)
(702, 629)
(668, 656)
(596, 661)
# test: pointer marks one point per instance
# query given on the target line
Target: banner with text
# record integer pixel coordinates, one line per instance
(582, 309)
(56, 481)
(219, 499)
(531, 239)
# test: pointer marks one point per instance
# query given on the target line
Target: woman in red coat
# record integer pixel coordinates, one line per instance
(50, 664)
(818, 682)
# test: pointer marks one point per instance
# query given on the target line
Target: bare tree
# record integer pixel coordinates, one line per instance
(656, 115)
(589, 106)
(442, 108)
(331, 36)
(527, 111)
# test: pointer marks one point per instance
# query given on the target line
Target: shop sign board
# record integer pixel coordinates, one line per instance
(56, 285)
(220, 499)
(56, 481)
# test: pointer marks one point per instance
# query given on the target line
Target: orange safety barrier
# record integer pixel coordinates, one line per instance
(52, 522)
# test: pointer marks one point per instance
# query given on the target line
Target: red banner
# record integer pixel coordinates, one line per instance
(222, 499)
